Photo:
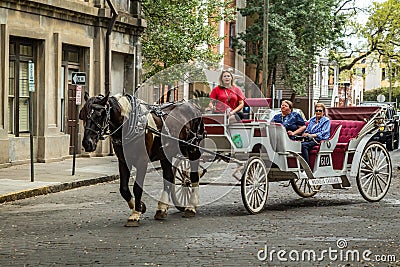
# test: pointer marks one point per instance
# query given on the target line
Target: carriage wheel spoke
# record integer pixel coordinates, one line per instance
(378, 187)
(367, 179)
(366, 170)
(383, 179)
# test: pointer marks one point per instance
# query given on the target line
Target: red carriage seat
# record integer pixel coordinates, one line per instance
(214, 124)
(349, 130)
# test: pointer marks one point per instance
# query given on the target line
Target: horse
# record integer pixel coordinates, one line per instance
(141, 133)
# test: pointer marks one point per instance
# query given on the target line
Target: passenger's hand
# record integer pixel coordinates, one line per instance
(290, 133)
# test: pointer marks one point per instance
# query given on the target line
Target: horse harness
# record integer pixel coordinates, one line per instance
(137, 121)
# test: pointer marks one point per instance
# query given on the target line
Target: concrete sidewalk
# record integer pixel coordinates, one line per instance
(15, 181)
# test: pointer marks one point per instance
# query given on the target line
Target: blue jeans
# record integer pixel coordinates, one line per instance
(306, 146)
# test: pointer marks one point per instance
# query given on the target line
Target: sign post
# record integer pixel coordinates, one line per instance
(31, 80)
(78, 102)
(279, 96)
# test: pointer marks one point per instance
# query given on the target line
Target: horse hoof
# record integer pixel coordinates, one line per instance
(132, 223)
(189, 214)
(160, 215)
(143, 207)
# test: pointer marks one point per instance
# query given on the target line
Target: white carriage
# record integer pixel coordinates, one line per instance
(268, 155)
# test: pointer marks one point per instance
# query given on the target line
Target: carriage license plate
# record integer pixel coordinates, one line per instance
(324, 161)
(323, 181)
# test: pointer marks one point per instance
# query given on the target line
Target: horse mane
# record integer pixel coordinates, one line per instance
(124, 104)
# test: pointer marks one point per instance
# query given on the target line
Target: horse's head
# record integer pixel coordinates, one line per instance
(95, 115)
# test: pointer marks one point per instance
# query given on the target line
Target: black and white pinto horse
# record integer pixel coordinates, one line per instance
(142, 133)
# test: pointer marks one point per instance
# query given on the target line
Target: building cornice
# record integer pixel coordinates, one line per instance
(77, 12)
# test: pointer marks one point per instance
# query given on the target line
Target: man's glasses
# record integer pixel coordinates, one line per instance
(318, 110)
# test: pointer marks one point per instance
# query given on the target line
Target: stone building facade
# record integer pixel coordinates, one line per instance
(42, 42)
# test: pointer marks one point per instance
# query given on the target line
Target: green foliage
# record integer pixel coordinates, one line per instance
(371, 95)
(177, 32)
(298, 31)
(381, 33)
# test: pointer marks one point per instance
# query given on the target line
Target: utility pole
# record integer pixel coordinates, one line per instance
(265, 90)
(390, 80)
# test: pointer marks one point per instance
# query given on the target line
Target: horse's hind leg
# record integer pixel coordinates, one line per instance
(190, 210)
(163, 203)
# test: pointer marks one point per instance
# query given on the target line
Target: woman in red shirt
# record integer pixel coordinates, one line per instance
(227, 95)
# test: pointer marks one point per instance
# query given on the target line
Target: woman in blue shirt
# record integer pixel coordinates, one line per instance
(292, 121)
(318, 129)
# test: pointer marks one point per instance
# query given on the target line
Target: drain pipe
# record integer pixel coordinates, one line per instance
(108, 55)
(108, 52)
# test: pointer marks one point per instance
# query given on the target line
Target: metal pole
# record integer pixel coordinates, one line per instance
(390, 80)
(31, 134)
(265, 89)
(75, 139)
(31, 78)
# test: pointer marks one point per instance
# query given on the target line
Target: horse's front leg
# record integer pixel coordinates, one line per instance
(190, 210)
(137, 206)
(163, 203)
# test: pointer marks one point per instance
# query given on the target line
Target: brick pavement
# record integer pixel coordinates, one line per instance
(15, 181)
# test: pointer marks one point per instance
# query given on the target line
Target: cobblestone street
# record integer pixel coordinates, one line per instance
(84, 226)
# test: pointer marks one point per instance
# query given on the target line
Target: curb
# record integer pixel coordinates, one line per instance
(55, 188)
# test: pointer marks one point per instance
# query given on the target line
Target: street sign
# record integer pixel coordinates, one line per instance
(31, 76)
(380, 98)
(78, 95)
(78, 78)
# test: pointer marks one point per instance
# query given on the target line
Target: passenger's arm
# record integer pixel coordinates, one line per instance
(238, 108)
(211, 104)
(299, 130)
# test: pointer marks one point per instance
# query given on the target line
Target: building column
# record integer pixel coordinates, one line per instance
(4, 141)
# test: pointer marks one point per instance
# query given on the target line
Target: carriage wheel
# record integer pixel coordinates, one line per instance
(375, 172)
(303, 188)
(254, 185)
(182, 186)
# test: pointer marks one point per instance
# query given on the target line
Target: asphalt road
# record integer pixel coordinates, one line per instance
(85, 227)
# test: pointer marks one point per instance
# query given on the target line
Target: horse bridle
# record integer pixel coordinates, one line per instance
(102, 127)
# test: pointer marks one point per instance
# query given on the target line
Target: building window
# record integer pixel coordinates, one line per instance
(21, 52)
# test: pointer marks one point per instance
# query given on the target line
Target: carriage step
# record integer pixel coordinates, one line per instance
(341, 187)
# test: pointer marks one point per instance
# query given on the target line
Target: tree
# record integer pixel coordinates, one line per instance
(298, 31)
(181, 31)
(382, 34)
